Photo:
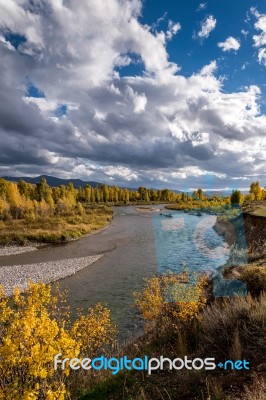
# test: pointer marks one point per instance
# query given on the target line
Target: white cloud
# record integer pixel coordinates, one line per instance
(244, 66)
(140, 102)
(14, 17)
(262, 56)
(158, 127)
(45, 106)
(173, 29)
(244, 32)
(260, 25)
(260, 40)
(139, 99)
(120, 171)
(202, 6)
(229, 44)
(207, 25)
(209, 69)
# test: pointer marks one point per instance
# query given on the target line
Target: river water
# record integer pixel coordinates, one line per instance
(137, 244)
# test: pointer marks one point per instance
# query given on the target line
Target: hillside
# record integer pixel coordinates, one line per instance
(53, 181)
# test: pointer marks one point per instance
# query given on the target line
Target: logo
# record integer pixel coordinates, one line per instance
(147, 364)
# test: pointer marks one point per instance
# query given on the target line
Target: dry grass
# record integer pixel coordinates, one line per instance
(55, 229)
(256, 391)
(255, 279)
(227, 329)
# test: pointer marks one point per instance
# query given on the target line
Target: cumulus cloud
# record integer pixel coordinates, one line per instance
(173, 29)
(260, 25)
(260, 40)
(262, 56)
(158, 129)
(207, 26)
(229, 44)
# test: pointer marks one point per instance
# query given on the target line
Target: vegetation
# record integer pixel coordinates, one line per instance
(33, 330)
(54, 228)
(181, 318)
(233, 328)
(38, 212)
(255, 278)
(44, 214)
(171, 297)
(214, 204)
(180, 321)
(237, 198)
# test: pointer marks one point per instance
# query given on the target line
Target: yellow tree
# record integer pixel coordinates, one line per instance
(14, 200)
(256, 190)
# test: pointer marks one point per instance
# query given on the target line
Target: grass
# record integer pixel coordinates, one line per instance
(229, 328)
(256, 391)
(224, 210)
(255, 279)
(54, 229)
(257, 208)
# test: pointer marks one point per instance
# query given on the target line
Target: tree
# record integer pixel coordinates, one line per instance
(237, 197)
(3, 187)
(14, 200)
(200, 193)
(105, 192)
(42, 189)
(256, 190)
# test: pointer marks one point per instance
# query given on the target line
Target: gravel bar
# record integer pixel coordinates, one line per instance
(13, 250)
(45, 272)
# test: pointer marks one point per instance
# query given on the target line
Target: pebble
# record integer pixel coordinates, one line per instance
(13, 250)
(44, 272)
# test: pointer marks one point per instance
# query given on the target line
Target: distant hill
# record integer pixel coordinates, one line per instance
(53, 181)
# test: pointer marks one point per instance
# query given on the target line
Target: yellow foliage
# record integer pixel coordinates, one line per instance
(171, 297)
(31, 336)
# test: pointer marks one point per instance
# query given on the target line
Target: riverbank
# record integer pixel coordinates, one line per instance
(12, 250)
(247, 233)
(229, 328)
(54, 229)
(18, 276)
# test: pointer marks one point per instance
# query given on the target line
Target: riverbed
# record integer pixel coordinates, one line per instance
(137, 244)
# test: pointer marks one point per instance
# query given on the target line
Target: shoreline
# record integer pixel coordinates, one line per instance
(18, 276)
(13, 249)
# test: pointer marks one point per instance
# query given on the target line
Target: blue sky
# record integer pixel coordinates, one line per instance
(156, 93)
(234, 18)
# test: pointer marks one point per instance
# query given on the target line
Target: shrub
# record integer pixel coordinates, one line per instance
(233, 326)
(255, 279)
(32, 333)
(171, 297)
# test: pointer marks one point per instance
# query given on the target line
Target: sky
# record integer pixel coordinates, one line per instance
(158, 93)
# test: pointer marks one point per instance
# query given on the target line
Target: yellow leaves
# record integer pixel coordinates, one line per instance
(171, 297)
(97, 326)
(31, 336)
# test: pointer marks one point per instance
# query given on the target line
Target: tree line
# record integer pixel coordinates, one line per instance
(26, 200)
(256, 193)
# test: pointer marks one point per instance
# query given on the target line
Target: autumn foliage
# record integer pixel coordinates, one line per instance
(169, 298)
(33, 331)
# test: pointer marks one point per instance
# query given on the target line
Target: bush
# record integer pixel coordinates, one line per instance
(171, 297)
(32, 332)
(255, 279)
(233, 326)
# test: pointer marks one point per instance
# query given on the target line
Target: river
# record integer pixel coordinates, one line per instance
(137, 244)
